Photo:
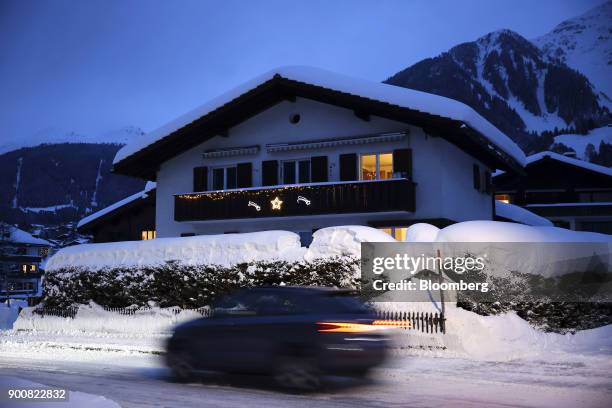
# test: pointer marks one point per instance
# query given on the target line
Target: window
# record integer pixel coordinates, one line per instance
(504, 198)
(377, 166)
(224, 178)
(146, 235)
(27, 268)
(398, 233)
(476, 177)
(296, 171)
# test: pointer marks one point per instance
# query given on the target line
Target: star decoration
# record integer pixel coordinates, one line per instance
(276, 203)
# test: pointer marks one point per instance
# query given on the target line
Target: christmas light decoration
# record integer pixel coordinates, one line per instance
(276, 203)
(255, 205)
(303, 199)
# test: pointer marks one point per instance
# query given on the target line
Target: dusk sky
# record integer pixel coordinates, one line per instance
(95, 66)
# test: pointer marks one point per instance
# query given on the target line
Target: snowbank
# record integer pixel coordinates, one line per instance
(495, 231)
(343, 241)
(422, 232)
(495, 338)
(224, 250)
(515, 213)
(507, 337)
(93, 318)
(8, 315)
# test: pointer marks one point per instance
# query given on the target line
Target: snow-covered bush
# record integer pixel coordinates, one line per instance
(186, 285)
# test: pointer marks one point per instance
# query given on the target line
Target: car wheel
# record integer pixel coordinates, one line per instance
(297, 374)
(180, 367)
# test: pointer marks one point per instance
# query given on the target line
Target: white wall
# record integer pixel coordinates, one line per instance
(443, 173)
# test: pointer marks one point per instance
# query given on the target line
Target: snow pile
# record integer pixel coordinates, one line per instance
(495, 231)
(223, 250)
(501, 337)
(343, 241)
(518, 214)
(422, 232)
(75, 399)
(508, 337)
(8, 314)
(93, 318)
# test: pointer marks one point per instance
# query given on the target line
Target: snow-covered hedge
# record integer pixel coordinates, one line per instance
(189, 286)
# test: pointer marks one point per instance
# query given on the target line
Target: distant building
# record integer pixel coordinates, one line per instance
(130, 219)
(21, 259)
(301, 148)
(572, 193)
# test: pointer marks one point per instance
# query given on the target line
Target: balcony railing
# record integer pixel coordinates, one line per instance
(297, 200)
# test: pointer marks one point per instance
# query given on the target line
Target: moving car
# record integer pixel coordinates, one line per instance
(295, 334)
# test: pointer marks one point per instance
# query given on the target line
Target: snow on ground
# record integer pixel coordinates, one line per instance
(580, 142)
(515, 213)
(75, 399)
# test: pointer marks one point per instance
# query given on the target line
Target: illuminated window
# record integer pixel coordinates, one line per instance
(26, 268)
(398, 233)
(504, 198)
(224, 178)
(376, 166)
(146, 235)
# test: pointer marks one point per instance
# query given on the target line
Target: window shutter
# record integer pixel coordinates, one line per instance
(269, 172)
(488, 184)
(319, 169)
(476, 176)
(348, 167)
(200, 178)
(402, 163)
(244, 175)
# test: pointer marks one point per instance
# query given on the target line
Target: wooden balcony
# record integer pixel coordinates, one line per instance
(297, 200)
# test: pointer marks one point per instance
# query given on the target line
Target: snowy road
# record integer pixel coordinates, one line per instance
(410, 381)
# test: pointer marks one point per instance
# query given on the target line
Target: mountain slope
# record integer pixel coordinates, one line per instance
(57, 183)
(54, 136)
(511, 82)
(583, 43)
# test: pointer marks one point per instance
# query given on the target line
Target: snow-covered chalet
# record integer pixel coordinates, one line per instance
(301, 148)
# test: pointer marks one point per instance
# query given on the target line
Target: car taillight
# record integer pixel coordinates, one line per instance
(345, 327)
(402, 324)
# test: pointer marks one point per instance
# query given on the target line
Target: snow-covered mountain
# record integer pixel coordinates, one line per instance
(512, 83)
(55, 136)
(584, 43)
(60, 182)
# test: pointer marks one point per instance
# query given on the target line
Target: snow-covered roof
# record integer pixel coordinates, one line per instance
(106, 210)
(520, 215)
(19, 236)
(569, 160)
(565, 159)
(374, 91)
